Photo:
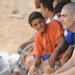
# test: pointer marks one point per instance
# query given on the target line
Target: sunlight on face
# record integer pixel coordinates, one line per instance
(38, 24)
(66, 19)
(44, 11)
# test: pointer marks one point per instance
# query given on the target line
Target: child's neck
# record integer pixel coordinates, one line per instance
(51, 15)
(43, 33)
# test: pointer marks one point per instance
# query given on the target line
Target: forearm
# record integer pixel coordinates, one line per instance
(27, 43)
(31, 40)
(59, 50)
(22, 46)
(67, 55)
(62, 47)
(37, 61)
(30, 50)
(68, 72)
(66, 67)
(69, 52)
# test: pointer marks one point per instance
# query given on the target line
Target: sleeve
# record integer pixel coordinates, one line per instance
(57, 28)
(38, 46)
(70, 38)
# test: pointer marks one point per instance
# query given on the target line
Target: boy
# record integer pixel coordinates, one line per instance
(47, 38)
(68, 22)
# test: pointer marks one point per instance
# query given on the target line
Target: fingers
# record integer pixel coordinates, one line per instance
(33, 73)
(52, 59)
(51, 62)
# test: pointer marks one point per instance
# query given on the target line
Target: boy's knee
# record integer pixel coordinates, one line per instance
(48, 70)
(28, 62)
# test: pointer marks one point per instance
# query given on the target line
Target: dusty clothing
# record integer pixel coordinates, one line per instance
(20, 65)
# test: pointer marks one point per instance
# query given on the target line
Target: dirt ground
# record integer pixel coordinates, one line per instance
(15, 31)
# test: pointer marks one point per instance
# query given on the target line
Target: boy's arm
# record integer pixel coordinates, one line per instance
(37, 61)
(28, 53)
(34, 67)
(67, 66)
(62, 47)
(67, 55)
(28, 42)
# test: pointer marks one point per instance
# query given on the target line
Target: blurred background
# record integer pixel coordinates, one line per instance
(14, 27)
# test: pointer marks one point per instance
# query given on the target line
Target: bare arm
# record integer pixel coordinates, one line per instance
(26, 54)
(67, 55)
(68, 65)
(28, 42)
(62, 47)
(37, 61)
(34, 68)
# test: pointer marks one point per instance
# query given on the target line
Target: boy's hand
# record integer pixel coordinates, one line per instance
(52, 59)
(33, 71)
(24, 56)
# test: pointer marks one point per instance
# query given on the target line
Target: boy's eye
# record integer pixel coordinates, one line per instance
(58, 15)
(35, 25)
(40, 21)
(64, 15)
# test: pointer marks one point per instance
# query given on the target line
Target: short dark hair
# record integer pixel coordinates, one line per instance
(59, 7)
(47, 4)
(34, 15)
(70, 7)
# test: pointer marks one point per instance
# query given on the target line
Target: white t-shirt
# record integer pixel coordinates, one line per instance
(55, 17)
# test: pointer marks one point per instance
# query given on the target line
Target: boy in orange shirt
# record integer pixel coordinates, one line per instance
(47, 38)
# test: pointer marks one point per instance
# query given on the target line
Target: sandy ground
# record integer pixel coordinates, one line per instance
(14, 31)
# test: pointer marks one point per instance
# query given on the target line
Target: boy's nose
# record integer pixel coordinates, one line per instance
(39, 25)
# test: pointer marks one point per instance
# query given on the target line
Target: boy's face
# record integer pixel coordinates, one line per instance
(38, 24)
(37, 3)
(44, 11)
(66, 19)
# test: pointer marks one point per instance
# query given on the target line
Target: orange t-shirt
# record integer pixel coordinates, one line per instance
(48, 41)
